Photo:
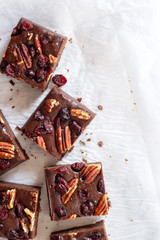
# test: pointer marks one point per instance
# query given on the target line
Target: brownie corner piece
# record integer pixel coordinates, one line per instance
(94, 231)
(76, 190)
(11, 152)
(32, 54)
(57, 122)
(19, 209)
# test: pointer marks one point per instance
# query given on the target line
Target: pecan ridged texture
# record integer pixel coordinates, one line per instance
(102, 207)
(41, 142)
(11, 195)
(72, 187)
(6, 150)
(23, 58)
(31, 216)
(90, 172)
(80, 114)
(63, 139)
(37, 44)
(50, 103)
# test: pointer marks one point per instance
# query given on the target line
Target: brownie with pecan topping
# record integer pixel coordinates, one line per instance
(91, 232)
(76, 190)
(11, 153)
(19, 209)
(33, 54)
(57, 122)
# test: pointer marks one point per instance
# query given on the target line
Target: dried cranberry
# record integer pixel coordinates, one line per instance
(32, 50)
(3, 213)
(1, 126)
(60, 180)
(38, 116)
(60, 211)
(45, 39)
(31, 73)
(12, 70)
(1, 225)
(3, 197)
(60, 188)
(26, 26)
(82, 193)
(27, 133)
(4, 164)
(77, 167)
(41, 74)
(64, 114)
(87, 208)
(57, 122)
(15, 235)
(15, 32)
(59, 80)
(48, 126)
(40, 130)
(23, 235)
(43, 61)
(93, 236)
(57, 237)
(101, 186)
(75, 127)
(3, 65)
(19, 209)
(61, 170)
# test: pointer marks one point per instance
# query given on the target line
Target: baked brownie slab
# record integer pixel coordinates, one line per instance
(57, 122)
(76, 190)
(11, 153)
(32, 54)
(19, 207)
(95, 231)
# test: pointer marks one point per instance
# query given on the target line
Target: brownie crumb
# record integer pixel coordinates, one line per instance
(82, 142)
(82, 151)
(100, 143)
(126, 160)
(89, 139)
(46, 227)
(79, 99)
(11, 89)
(84, 160)
(131, 91)
(10, 99)
(67, 70)
(110, 156)
(129, 80)
(70, 40)
(11, 82)
(13, 106)
(134, 103)
(131, 220)
(100, 107)
(0, 39)
(86, 133)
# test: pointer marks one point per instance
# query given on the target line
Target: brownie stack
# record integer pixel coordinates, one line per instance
(74, 190)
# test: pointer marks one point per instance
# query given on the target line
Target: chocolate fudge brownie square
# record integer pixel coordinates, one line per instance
(19, 208)
(32, 54)
(11, 153)
(76, 190)
(57, 122)
(94, 231)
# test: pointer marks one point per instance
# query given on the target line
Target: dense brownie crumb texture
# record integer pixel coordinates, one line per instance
(18, 211)
(91, 232)
(32, 54)
(11, 153)
(57, 122)
(76, 190)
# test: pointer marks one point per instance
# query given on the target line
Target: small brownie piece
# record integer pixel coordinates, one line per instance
(11, 153)
(57, 122)
(76, 190)
(91, 232)
(19, 209)
(33, 54)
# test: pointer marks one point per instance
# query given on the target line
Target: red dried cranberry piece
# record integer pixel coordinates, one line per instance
(19, 209)
(4, 164)
(15, 32)
(57, 237)
(59, 80)
(38, 116)
(60, 188)
(87, 208)
(12, 70)
(61, 169)
(3, 214)
(59, 179)
(60, 211)
(1, 126)
(57, 122)
(82, 193)
(77, 167)
(27, 133)
(43, 61)
(26, 26)
(75, 127)
(64, 114)
(40, 130)
(101, 186)
(93, 236)
(48, 125)
(45, 39)
(15, 235)
(41, 75)
(3, 197)
(31, 73)
(32, 50)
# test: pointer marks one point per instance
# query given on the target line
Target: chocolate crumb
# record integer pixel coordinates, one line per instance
(126, 159)
(82, 151)
(67, 70)
(110, 156)
(100, 143)
(70, 40)
(86, 133)
(11, 89)
(46, 227)
(100, 107)
(131, 220)
(32, 155)
(131, 91)
(134, 103)
(89, 139)
(79, 99)
(82, 142)
(129, 80)
(10, 99)
(109, 234)
(13, 106)
(84, 160)
(11, 82)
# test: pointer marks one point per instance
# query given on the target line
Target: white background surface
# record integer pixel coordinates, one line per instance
(115, 52)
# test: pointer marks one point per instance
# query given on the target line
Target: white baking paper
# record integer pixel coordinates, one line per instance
(101, 59)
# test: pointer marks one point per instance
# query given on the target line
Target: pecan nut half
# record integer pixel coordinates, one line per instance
(23, 58)
(63, 139)
(11, 195)
(52, 59)
(31, 216)
(35, 197)
(6, 150)
(72, 187)
(29, 37)
(1, 120)
(73, 216)
(24, 226)
(37, 44)
(90, 172)
(18, 56)
(80, 114)
(102, 207)
(41, 142)
(50, 103)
